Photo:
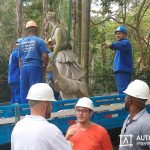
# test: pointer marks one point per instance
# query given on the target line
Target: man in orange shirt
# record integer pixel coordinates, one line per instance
(86, 135)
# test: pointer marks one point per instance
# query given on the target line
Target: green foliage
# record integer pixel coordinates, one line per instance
(7, 24)
(94, 35)
(54, 5)
(33, 11)
(7, 34)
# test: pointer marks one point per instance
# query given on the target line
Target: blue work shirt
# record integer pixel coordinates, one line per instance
(123, 60)
(31, 49)
(13, 67)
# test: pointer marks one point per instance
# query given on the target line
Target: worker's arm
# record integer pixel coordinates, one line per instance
(106, 142)
(123, 45)
(118, 45)
(45, 59)
(70, 132)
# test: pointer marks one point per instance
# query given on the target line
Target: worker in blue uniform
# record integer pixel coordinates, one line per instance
(123, 61)
(33, 58)
(14, 74)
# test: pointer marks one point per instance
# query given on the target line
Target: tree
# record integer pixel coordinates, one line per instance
(19, 18)
(85, 36)
(45, 11)
(79, 29)
(73, 23)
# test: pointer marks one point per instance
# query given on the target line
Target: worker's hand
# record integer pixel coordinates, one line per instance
(70, 133)
(107, 45)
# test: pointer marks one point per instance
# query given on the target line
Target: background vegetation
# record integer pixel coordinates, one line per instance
(105, 16)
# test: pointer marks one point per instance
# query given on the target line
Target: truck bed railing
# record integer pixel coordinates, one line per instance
(109, 112)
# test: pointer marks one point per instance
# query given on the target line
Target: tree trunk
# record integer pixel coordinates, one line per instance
(79, 29)
(144, 63)
(103, 50)
(19, 17)
(85, 37)
(45, 11)
(45, 7)
(73, 23)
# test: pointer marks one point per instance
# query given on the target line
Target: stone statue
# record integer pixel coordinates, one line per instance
(62, 53)
(67, 72)
(68, 88)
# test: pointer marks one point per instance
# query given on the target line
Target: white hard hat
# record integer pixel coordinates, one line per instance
(31, 24)
(41, 92)
(85, 102)
(138, 89)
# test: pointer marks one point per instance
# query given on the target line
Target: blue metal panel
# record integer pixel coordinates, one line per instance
(5, 133)
(103, 118)
(7, 111)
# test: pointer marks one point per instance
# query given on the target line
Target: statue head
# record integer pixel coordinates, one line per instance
(51, 16)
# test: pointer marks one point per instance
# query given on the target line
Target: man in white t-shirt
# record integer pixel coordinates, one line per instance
(34, 132)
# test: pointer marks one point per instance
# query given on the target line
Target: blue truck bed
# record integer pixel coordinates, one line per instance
(109, 112)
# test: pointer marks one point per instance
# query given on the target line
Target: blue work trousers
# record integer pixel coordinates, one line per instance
(29, 76)
(122, 79)
(15, 92)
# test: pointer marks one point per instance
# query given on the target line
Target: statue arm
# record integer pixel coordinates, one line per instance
(58, 39)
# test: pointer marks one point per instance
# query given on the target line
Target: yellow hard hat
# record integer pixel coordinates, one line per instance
(31, 24)
(49, 40)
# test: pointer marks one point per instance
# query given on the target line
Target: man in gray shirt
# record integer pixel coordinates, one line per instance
(135, 134)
